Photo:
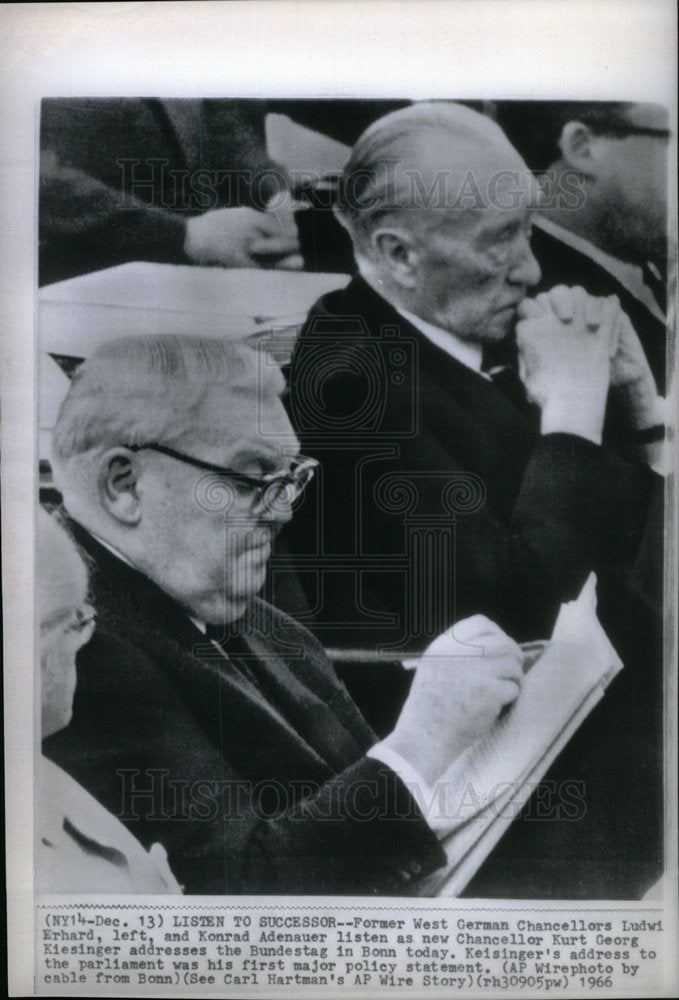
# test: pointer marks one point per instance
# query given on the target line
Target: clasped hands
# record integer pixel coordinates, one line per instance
(572, 347)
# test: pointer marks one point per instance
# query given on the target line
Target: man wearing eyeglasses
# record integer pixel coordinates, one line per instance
(603, 169)
(204, 718)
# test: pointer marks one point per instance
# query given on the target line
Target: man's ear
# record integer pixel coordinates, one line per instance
(399, 254)
(118, 485)
(578, 145)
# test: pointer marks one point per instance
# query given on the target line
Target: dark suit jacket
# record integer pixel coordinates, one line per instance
(254, 784)
(438, 499)
(119, 176)
(562, 264)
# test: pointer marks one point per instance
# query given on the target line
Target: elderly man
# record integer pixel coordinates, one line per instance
(204, 718)
(80, 847)
(448, 485)
(408, 371)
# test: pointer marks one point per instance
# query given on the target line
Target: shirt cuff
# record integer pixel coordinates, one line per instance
(446, 805)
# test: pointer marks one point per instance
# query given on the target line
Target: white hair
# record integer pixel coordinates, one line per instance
(397, 165)
(149, 388)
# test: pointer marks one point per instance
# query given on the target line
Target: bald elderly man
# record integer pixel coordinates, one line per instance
(460, 478)
(204, 718)
(408, 378)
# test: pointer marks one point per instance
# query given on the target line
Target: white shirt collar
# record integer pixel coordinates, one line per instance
(629, 275)
(470, 355)
(111, 548)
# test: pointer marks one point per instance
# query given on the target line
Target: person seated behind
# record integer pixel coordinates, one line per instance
(602, 224)
(204, 717)
(80, 846)
(171, 181)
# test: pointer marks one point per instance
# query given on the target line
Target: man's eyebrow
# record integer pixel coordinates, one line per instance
(249, 455)
(501, 227)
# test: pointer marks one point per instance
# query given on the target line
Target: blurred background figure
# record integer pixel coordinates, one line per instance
(603, 224)
(176, 181)
(80, 846)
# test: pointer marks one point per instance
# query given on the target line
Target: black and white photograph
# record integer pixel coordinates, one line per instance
(354, 531)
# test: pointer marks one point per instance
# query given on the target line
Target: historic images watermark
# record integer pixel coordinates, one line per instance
(180, 190)
(152, 794)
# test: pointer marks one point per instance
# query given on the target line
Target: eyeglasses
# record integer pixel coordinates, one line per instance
(622, 131)
(271, 490)
(76, 620)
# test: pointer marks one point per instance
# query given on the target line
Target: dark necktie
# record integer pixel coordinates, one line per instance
(500, 363)
(506, 378)
(658, 287)
(234, 646)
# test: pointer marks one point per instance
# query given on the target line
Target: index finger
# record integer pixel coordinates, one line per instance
(529, 309)
(295, 262)
(594, 311)
(284, 199)
(473, 628)
(562, 302)
(618, 323)
(274, 246)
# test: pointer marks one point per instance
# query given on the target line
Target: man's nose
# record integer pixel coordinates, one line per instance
(282, 514)
(525, 269)
(280, 511)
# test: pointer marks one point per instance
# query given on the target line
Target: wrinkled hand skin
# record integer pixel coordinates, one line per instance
(632, 377)
(566, 340)
(244, 237)
(462, 682)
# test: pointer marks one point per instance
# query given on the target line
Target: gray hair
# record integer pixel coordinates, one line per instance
(150, 388)
(387, 172)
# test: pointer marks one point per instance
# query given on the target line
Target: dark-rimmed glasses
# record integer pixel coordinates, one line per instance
(270, 489)
(76, 620)
(622, 131)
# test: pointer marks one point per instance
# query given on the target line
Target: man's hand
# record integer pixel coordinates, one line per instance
(566, 340)
(456, 696)
(632, 377)
(244, 237)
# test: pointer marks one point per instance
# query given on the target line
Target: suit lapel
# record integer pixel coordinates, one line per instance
(463, 419)
(314, 720)
(280, 718)
(240, 717)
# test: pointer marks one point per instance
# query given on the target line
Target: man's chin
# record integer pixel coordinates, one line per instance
(226, 610)
(243, 588)
(499, 328)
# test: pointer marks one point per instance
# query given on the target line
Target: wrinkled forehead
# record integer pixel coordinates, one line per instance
(230, 422)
